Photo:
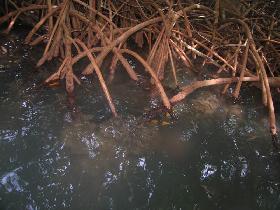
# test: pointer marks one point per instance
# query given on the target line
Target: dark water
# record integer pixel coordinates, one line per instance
(51, 158)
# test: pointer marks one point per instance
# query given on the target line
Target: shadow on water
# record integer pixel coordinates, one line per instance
(217, 154)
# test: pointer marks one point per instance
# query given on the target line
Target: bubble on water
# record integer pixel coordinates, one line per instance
(154, 102)
(207, 171)
(230, 125)
(142, 163)
(249, 129)
(112, 131)
(92, 144)
(244, 167)
(71, 187)
(25, 130)
(12, 182)
(109, 179)
(8, 135)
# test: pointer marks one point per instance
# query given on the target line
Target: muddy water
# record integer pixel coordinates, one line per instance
(215, 154)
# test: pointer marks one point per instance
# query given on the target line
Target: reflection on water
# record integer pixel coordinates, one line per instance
(213, 156)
